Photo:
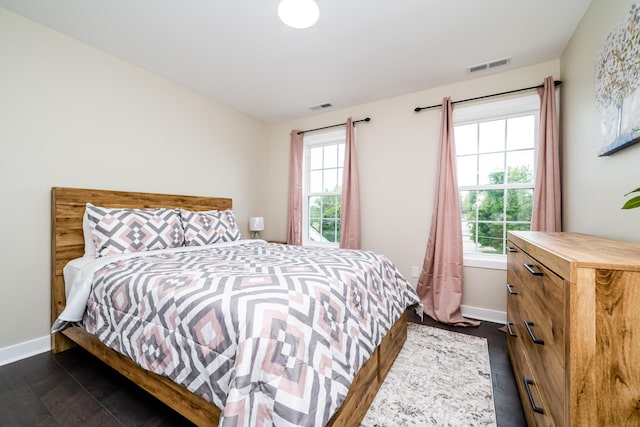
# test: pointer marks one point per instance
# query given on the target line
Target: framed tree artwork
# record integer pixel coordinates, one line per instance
(617, 84)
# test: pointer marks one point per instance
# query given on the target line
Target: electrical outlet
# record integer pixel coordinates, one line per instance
(415, 272)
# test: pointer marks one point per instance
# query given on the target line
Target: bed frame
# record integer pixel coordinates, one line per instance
(67, 243)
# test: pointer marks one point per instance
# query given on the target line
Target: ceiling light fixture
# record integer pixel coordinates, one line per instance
(298, 14)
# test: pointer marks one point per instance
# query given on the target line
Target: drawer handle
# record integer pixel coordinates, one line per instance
(536, 408)
(528, 325)
(511, 333)
(510, 289)
(510, 249)
(532, 271)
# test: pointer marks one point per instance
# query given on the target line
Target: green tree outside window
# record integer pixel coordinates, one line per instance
(324, 216)
(494, 218)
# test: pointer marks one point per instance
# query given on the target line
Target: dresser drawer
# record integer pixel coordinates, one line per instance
(534, 401)
(516, 290)
(536, 307)
(543, 316)
(518, 278)
(516, 293)
(515, 325)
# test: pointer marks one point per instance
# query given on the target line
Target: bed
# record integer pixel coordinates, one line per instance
(68, 209)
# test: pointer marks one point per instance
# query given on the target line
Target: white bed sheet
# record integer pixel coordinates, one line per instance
(78, 275)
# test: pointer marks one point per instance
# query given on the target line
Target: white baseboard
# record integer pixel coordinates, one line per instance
(25, 349)
(484, 314)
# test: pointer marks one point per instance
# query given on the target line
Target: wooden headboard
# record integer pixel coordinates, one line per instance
(67, 241)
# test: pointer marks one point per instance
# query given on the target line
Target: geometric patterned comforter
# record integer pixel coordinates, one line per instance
(271, 334)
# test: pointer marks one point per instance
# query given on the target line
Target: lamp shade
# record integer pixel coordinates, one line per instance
(256, 223)
(298, 14)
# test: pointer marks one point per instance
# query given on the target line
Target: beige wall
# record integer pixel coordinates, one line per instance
(397, 153)
(73, 116)
(594, 187)
(68, 112)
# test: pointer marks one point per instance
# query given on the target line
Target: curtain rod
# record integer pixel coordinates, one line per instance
(556, 82)
(368, 119)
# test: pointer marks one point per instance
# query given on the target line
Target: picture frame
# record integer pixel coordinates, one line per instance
(617, 85)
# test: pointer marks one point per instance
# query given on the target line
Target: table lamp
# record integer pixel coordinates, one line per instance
(256, 225)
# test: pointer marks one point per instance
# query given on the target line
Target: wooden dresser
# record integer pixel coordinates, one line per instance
(573, 313)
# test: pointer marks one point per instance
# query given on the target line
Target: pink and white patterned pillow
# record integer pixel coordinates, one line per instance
(122, 230)
(206, 228)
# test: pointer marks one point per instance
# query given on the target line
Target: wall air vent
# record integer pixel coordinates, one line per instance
(489, 65)
(320, 106)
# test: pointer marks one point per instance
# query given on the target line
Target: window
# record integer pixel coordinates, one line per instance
(495, 149)
(322, 183)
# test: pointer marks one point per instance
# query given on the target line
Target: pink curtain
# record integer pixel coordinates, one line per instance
(440, 283)
(350, 207)
(547, 210)
(294, 211)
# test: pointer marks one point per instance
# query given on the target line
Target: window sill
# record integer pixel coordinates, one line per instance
(321, 244)
(493, 262)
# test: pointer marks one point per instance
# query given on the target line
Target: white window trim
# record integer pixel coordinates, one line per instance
(512, 107)
(316, 140)
(492, 262)
(488, 110)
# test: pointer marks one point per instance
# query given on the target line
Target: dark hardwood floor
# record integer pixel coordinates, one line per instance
(75, 389)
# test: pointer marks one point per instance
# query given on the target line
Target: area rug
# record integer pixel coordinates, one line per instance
(440, 378)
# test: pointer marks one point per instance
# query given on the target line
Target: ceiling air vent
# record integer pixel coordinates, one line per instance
(320, 106)
(489, 65)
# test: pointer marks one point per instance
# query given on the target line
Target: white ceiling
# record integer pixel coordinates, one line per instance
(239, 53)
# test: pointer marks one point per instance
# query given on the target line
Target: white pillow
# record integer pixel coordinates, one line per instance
(89, 246)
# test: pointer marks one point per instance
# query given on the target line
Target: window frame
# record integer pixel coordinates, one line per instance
(323, 139)
(496, 110)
